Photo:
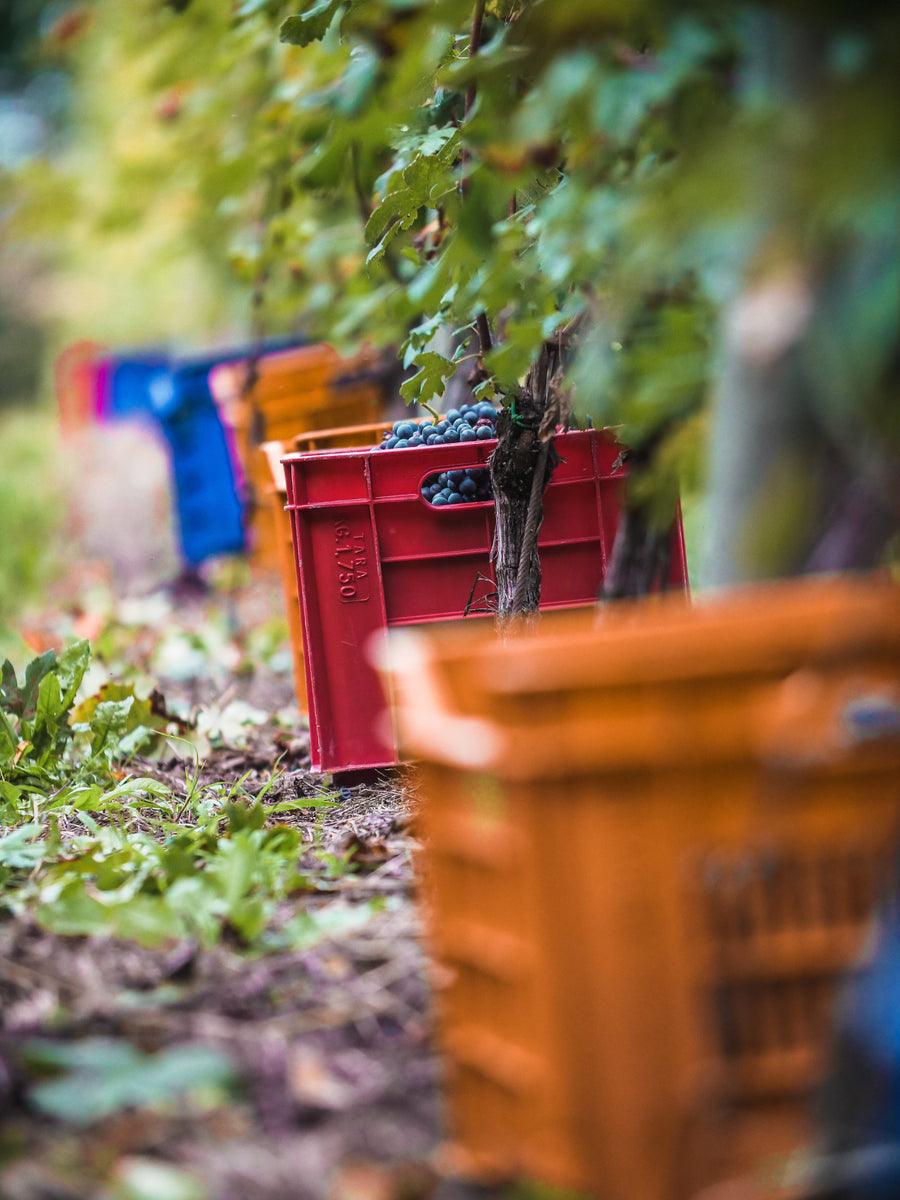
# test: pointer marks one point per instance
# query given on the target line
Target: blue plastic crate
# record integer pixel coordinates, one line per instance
(129, 383)
(207, 480)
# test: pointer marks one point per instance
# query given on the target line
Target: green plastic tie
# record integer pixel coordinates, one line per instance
(522, 422)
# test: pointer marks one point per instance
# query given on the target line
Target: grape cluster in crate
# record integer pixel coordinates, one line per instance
(470, 423)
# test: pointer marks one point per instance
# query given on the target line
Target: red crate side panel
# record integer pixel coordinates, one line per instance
(576, 454)
(289, 484)
(571, 510)
(341, 604)
(571, 573)
(317, 698)
(309, 629)
(328, 477)
(414, 529)
(442, 594)
(610, 490)
(399, 473)
(343, 611)
(605, 451)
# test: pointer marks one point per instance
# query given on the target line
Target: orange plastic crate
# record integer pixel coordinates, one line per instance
(654, 838)
(280, 525)
(295, 391)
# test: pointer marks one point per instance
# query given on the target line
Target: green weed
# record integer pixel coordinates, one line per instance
(90, 849)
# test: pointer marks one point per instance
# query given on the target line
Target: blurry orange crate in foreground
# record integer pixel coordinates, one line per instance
(280, 524)
(654, 837)
(294, 391)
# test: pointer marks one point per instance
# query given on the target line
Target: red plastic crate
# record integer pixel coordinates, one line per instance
(371, 552)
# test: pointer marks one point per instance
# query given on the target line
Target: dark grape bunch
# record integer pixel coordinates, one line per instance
(463, 486)
(471, 423)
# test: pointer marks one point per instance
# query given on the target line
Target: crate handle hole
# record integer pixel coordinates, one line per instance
(456, 487)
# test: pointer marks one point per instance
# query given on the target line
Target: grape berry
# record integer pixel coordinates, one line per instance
(471, 423)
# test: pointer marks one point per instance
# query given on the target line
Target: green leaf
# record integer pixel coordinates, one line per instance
(19, 850)
(428, 381)
(150, 1179)
(147, 920)
(509, 361)
(109, 722)
(9, 688)
(73, 662)
(240, 815)
(486, 390)
(249, 917)
(349, 92)
(35, 673)
(50, 729)
(142, 726)
(73, 912)
(10, 794)
(233, 868)
(104, 1076)
(21, 702)
(9, 742)
(377, 253)
(323, 166)
(70, 909)
(307, 929)
(421, 335)
(311, 25)
(299, 805)
(420, 184)
(199, 906)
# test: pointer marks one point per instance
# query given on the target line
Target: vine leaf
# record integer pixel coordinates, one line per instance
(312, 25)
(418, 185)
(429, 379)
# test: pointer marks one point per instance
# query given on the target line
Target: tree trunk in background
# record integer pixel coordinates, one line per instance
(795, 486)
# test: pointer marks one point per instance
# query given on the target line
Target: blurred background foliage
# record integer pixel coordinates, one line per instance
(703, 196)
